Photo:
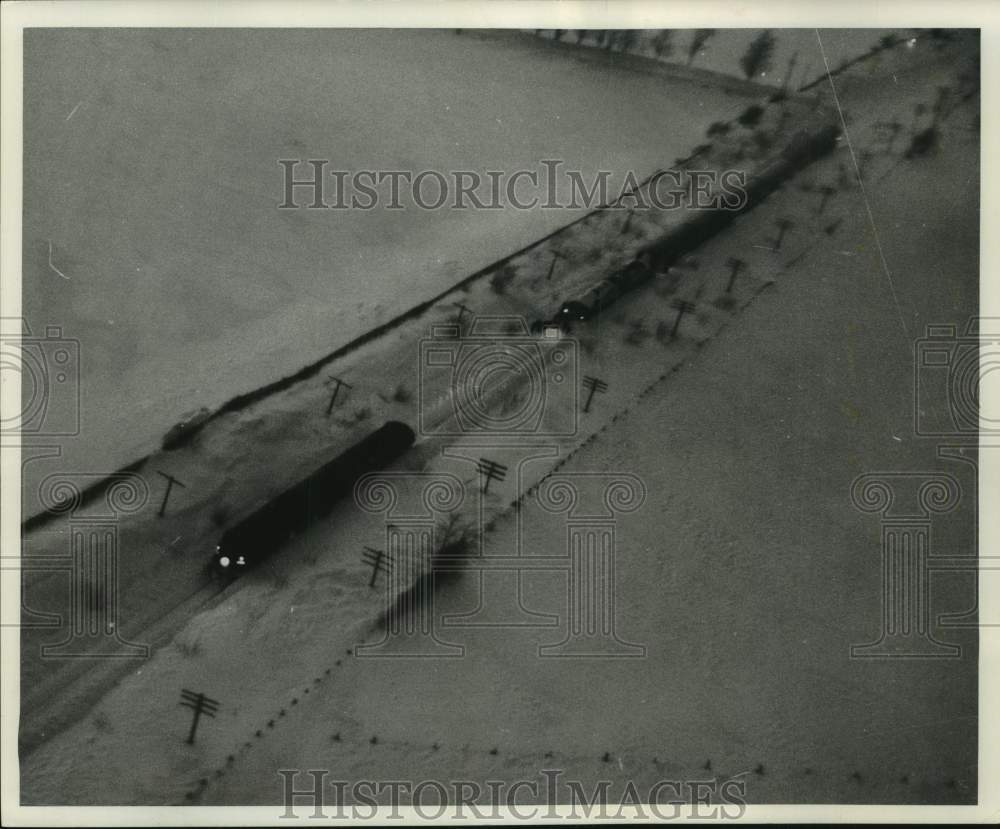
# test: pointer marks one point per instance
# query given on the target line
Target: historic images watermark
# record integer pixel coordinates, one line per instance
(416, 508)
(507, 398)
(314, 184)
(906, 502)
(548, 796)
(495, 379)
(949, 370)
(90, 565)
(422, 551)
(46, 368)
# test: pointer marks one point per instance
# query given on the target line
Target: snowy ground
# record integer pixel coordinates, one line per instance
(746, 598)
(151, 178)
(151, 233)
(246, 456)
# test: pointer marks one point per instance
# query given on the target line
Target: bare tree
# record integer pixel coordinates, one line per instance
(616, 38)
(663, 43)
(786, 81)
(698, 41)
(757, 58)
(629, 39)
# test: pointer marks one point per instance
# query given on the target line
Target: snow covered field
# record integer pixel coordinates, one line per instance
(151, 228)
(151, 234)
(746, 589)
(248, 455)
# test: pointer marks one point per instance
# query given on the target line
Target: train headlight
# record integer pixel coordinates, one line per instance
(224, 561)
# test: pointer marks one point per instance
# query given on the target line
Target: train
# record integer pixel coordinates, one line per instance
(605, 292)
(805, 147)
(270, 526)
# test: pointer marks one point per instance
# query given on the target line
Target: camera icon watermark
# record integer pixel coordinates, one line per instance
(949, 372)
(417, 509)
(92, 627)
(906, 503)
(590, 503)
(426, 547)
(47, 370)
(497, 379)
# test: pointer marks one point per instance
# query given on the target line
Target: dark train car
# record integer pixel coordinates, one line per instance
(805, 147)
(632, 275)
(607, 291)
(265, 530)
(591, 303)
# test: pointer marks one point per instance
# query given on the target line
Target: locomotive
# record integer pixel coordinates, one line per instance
(271, 525)
(608, 290)
(805, 147)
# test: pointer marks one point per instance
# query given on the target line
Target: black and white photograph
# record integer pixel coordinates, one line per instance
(418, 413)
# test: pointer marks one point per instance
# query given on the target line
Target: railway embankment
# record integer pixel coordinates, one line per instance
(260, 443)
